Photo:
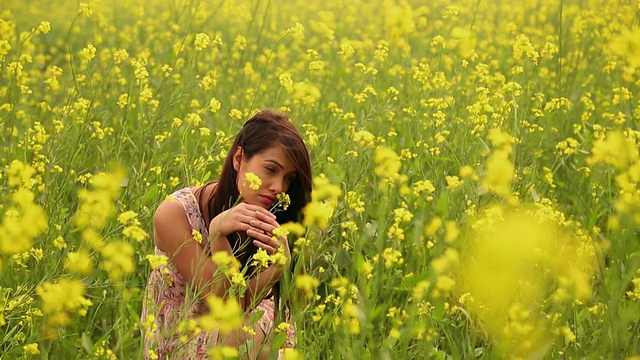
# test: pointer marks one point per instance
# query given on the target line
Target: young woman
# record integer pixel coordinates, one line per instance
(230, 215)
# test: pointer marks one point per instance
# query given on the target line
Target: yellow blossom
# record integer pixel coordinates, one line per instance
(388, 162)
(225, 315)
(227, 261)
(254, 181)
(307, 284)
(61, 299)
(197, 236)
(79, 262)
(155, 261)
(31, 349)
(117, 259)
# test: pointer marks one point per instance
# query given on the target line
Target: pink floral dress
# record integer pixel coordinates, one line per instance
(169, 305)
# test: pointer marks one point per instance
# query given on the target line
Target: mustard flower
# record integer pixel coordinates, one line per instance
(201, 41)
(117, 259)
(254, 181)
(61, 299)
(227, 261)
(294, 228)
(31, 349)
(155, 261)
(197, 236)
(283, 201)
(388, 162)
(79, 262)
(307, 284)
(261, 259)
(224, 315)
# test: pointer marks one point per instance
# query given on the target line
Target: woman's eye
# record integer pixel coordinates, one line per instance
(270, 169)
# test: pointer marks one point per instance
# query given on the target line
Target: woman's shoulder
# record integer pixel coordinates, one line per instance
(204, 192)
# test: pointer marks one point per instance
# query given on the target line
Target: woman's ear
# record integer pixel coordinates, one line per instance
(237, 158)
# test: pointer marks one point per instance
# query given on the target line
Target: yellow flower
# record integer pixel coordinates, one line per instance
(59, 243)
(324, 190)
(616, 150)
(283, 326)
(279, 258)
(317, 213)
(201, 41)
(296, 30)
(157, 260)
(514, 260)
(226, 260)
(83, 8)
(291, 354)
(19, 174)
(117, 260)
(294, 228)
(236, 114)
(223, 352)
(237, 279)
(388, 162)
(254, 181)
(286, 82)
(128, 216)
(22, 223)
(43, 28)
(197, 236)
(500, 172)
(214, 105)
(307, 284)
(79, 262)
(261, 259)
(135, 232)
(283, 201)
(224, 315)
(627, 45)
(31, 349)
(392, 256)
(453, 182)
(61, 299)
(364, 138)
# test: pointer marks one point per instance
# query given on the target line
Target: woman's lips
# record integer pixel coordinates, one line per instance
(267, 199)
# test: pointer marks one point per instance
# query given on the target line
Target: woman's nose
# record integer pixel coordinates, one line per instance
(277, 186)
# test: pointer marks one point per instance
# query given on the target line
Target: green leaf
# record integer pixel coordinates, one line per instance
(87, 344)
(279, 340)
(255, 317)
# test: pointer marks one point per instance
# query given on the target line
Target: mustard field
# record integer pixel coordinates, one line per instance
(475, 162)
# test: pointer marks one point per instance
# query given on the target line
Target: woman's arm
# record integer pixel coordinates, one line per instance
(172, 235)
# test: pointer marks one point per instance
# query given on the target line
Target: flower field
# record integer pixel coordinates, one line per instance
(476, 169)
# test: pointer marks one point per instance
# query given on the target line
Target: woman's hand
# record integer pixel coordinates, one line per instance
(239, 218)
(262, 232)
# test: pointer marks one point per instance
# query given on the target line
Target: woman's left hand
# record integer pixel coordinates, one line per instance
(265, 238)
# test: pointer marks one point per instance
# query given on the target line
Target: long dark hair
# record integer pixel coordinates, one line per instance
(267, 128)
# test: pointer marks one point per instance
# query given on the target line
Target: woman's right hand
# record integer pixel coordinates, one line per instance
(238, 218)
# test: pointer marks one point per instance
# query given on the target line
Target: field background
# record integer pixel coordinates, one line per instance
(486, 154)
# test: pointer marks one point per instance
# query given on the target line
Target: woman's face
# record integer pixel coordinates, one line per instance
(272, 166)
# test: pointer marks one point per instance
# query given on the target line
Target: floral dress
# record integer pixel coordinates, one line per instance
(168, 305)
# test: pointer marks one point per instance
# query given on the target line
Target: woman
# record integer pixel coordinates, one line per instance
(232, 216)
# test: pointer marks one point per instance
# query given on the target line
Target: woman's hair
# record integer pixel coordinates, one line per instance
(267, 128)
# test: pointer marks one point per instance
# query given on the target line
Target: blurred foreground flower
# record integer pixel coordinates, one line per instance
(224, 315)
(60, 301)
(517, 264)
